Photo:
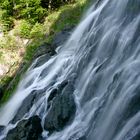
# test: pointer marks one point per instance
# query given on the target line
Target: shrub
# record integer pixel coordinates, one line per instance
(24, 29)
(37, 31)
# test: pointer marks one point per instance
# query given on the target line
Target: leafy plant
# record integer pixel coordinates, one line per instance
(37, 31)
(24, 29)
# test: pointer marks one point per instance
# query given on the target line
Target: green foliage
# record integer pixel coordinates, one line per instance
(37, 31)
(23, 29)
(1, 54)
(7, 94)
(8, 6)
(28, 30)
(6, 14)
(8, 41)
(6, 21)
(30, 10)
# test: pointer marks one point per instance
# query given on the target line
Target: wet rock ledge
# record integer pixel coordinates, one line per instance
(26, 130)
(61, 104)
(61, 107)
(61, 111)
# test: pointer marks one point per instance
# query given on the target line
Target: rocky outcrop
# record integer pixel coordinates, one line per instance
(44, 49)
(1, 128)
(61, 107)
(26, 130)
(41, 60)
(27, 104)
(61, 37)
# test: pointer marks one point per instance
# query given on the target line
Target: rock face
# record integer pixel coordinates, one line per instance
(61, 104)
(81, 138)
(27, 104)
(1, 128)
(61, 107)
(42, 60)
(26, 130)
(62, 37)
(44, 49)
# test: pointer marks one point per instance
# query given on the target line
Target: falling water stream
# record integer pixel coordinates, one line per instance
(102, 59)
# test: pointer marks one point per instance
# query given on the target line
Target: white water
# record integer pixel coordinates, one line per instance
(103, 53)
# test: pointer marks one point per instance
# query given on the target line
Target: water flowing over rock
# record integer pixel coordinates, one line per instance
(62, 37)
(90, 88)
(26, 130)
(27, 104)
(1, 128)
(61, 108)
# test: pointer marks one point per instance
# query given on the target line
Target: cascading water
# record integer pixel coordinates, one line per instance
(101, 60)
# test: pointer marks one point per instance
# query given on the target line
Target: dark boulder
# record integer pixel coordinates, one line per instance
(82, 138)
(61, 37)
(61, 108)
(57, 91)
(41, 60)
(44, 49)
(26, 130)
(1, 128)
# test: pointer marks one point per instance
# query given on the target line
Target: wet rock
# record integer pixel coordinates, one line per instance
(78, 136)
(58, 40)
(42, 60)
(81, 138)
(44, 49)
(1, 128)
(57, 91)
(53, 94)
(26, 130)
(62, 36)
(61, 108)
(27, 104)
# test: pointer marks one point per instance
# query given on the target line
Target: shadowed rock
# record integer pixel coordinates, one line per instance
(44, 49)
(62, 36)
(1, 128)
(26, 130)
(61, 108)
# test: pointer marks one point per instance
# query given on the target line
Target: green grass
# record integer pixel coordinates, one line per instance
(67, 15)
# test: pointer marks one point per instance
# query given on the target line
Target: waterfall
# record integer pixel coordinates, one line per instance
(100, 65)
